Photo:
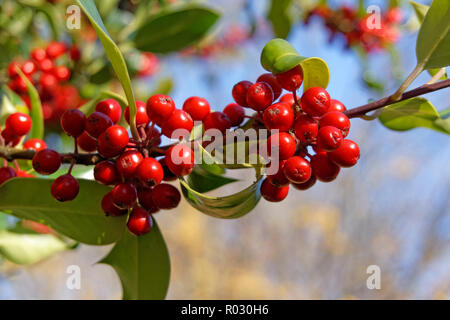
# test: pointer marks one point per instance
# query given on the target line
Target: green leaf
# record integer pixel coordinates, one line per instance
(89, 106)
(28, 248)
(279, 56)
(174, 29)
(37, 129)
(143, 265)
(420, 10)
(432, 72)
(114, 56)
(410, 114)
(279, 17)
(433, 42)
(81, 219)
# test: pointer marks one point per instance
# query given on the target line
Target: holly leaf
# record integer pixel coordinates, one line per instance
(420, 10)
(143, 265)
(81, 219)
(279, 17)
(174, 29)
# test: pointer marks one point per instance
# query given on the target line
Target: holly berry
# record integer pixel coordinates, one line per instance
(112, 142)
(166, 196)
(288, 98)
(87, 143)
(35, 144)
(347, 155)
(73, 122)
(45, 65)
(279, 116)
(217, 120)
(180, 160)
(315, 101)
(292, 79)
(306, 129)
(282, 142)
(46, 161)
(279, 179)
(146, 200)
(197, 107)
(38, 54)
(75, 53)
(128, 162)
(97, 123)
(19, 124)
(336, 119)
(160, 108)
(306, 185)
(235, 113)
(10, 139)
(272, 193)
(7, 173)
(12, 69)
(259, 96)
(168, 175)
(141, 114)
(109, 208)
(323, 168)
(139, 222)
(65, 188)
(150, 172)
(240, 91)
(329, 138)
(62, 73)
(297, 170)
(49, 83)
(105, 172)
(28, 68)
(336, 105)
(153, 135)
(55, 49)
(272, 81)
(124, 195)
(180, 123)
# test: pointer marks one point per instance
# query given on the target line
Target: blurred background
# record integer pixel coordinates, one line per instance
(391, 210)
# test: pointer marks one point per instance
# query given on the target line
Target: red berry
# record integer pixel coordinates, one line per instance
(87, 143)
(111, 108)
(128, 162)
(240, 91)
(73, 122)
(217, 120)
(329, 138)
(279, 117)
(323, 168)
(97, 123)
(153, 135)
(279, 179)
(28, 68)
(150, 172)
(124, 195)
(178, 125)
(288, 98)
(12, 69)
(297, 170)
(180, 160)
(336, 119)
(105, 172)
(272, 193)
(347, 155)
(306, 129)
(49, 83)
(259, 96)
(166, 196)
(315, 101)
(282, 142)
(109, 208)
(10, 139)
(168, 175)
(197, 107)
(35, 144)
(235, 113)
(306, 185)
(55, 49)
(19, 124)
(272, 81)
(160, 108)
(46, 161)
(6, 173)
(112, 142)
(336, 105)
(45, 65)
(146, 201)
(141, 114)
(75, 53)
(65, 188)
(62, 73)
(140, 222)
(292, 79)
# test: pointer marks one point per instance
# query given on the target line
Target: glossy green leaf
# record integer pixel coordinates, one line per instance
(432, 72)
(174, 29)
(37, 129)
(279, 17)
(410, 114)
(433, 41)
(81, 219)
(10, 104)
(143, 265)
(28, 248)
(420, 10)
(279, 56)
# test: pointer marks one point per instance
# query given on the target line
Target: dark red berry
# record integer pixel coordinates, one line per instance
(19, 124)
(112, 142)
(297, 170)
(336, 105)
(97, 123)
(347, 155)
(139, 222)
(306, 185)
(65, 188)
(239, 92)
(10, 139)
(35, 144)
(146, 201)
(279, 116)
(292, 79)
(73, 122)
(283, 143)
(197, 107)
(166, 196)
(329, 138)
(75, 53)
(272, 81)
(168, 175)
(306, 129)
(105, 172)
(315, 101)
(141, 114)
(109, 208)
(124, 195)
(128, 162)
(180, 160)
(46, 161)
(178, 125)
(272, 193)
(259, 96)
(111, 108)
(235, 113)
(160, 108)
(279, 179)
(336, 119)
(7, 173)
(87, 143)
(217, 120)
(323, 168)
(150, 172)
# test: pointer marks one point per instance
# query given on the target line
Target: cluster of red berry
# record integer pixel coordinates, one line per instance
(48, 70)
(368, 31)
(314, 121)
